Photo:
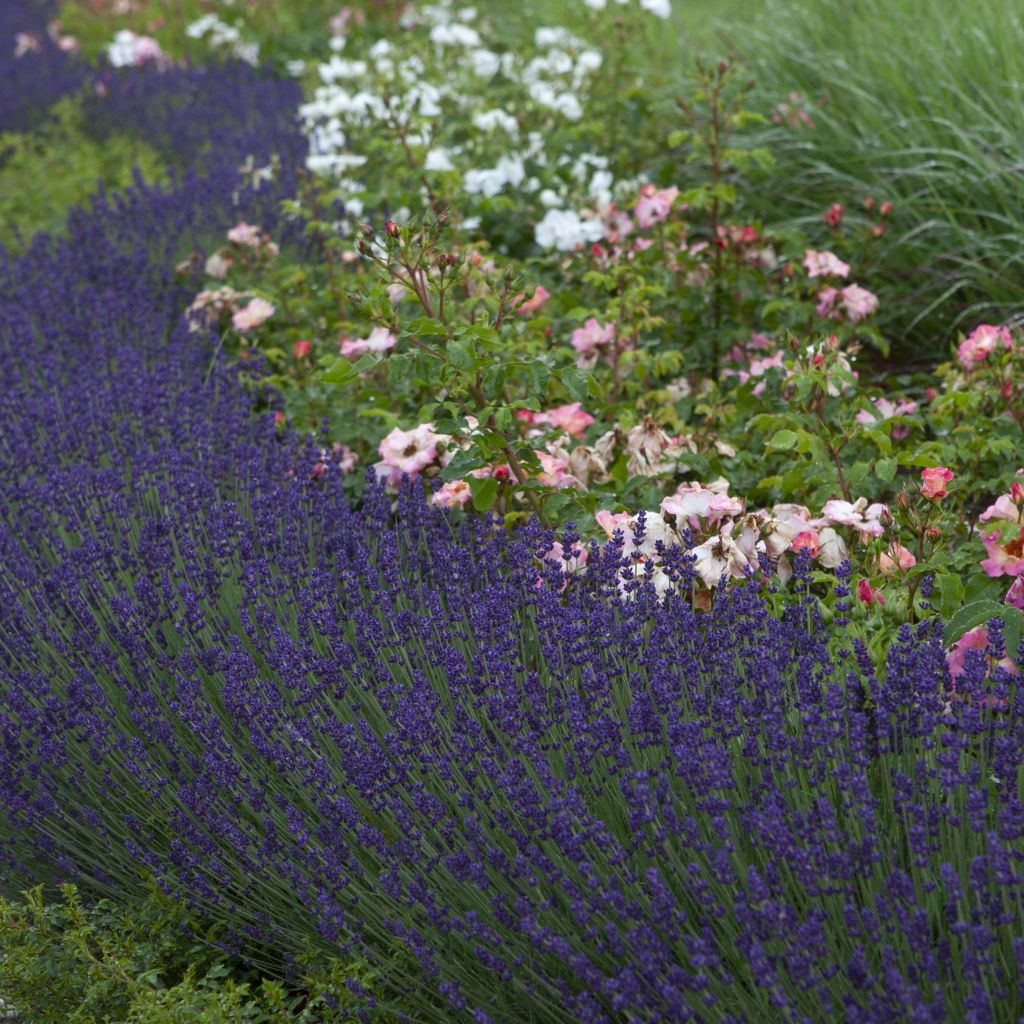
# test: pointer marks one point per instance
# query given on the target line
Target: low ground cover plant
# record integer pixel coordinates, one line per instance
(481, 571)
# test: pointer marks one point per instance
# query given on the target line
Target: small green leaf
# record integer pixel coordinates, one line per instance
(885, 470)
(575, 382)
(485, 492)
(784, 440)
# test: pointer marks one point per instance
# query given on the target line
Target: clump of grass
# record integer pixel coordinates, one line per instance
(919, 111)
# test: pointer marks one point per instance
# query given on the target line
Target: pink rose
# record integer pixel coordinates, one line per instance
(824, 264)
(248, 235)
(654, 205)
(255, 314)
(540, 297)
(897, 557)
(868, 595)
(570, 418)
(858, 303)
(934, 481)
(975, 348)
(1003, 559)
(410, 451)
(453, 494)
(380, 339)
(973, 640)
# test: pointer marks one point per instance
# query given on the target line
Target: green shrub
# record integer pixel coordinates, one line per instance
(64, 962)
(59, 165)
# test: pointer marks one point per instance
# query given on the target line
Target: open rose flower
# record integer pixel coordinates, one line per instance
(409, 451)
(654, 205)
(858, 303)
(531, 305)
(247, 235)
(886, 409)
(824, 264)
(699, 507)
(896, 558)
(982, 341)
(571, 418)
(453, 494)
(589, 339)
(721, 555)
(380, 339)
(256, 313)
(1004, 559)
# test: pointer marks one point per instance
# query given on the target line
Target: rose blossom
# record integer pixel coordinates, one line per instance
(586, 340)
(380, 339)
(858, 303)
(1003, 559)
(897, 557)
(257, 312)
(934, 481)
(986, 338)
(824, 264)
(540, 297)
(654, 205)
(867, 594)
(570, 418)
(248, 235)
(453, 494)
(410, 451)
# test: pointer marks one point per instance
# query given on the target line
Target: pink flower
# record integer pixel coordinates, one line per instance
(858, 302)
(824, 264)
(934, 481)
(654, 205)
(218, 265)
(975, 348)
(410, 451)
(807, 540)
(591, 336)
(864, 518)
(897, 557)
(885, 409)
(826, 302)
(868, 595)
(700, 506)
(1003, 559)
(380, 339)
(570, 418)
(453, 494)
(973, 640)
(612, 521)
(554, 471)
(540, 297)
(147, 49)
(255, 314)
(833, 216)
(1015, 595)
(571, 563)
(1006, 506)
(248, 235)
(301, 349)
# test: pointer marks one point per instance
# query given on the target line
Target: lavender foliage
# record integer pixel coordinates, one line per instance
(405, 738)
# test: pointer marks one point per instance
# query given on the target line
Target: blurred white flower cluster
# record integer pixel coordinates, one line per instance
(445, 104)
(224, 38)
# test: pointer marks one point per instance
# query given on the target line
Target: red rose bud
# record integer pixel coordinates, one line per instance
(869, 203)
(885, 209)
(868, 595)
(834, 215)
(301, 349)
(391, 228)
(501, 473)
(878, 230)
(934, 533)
